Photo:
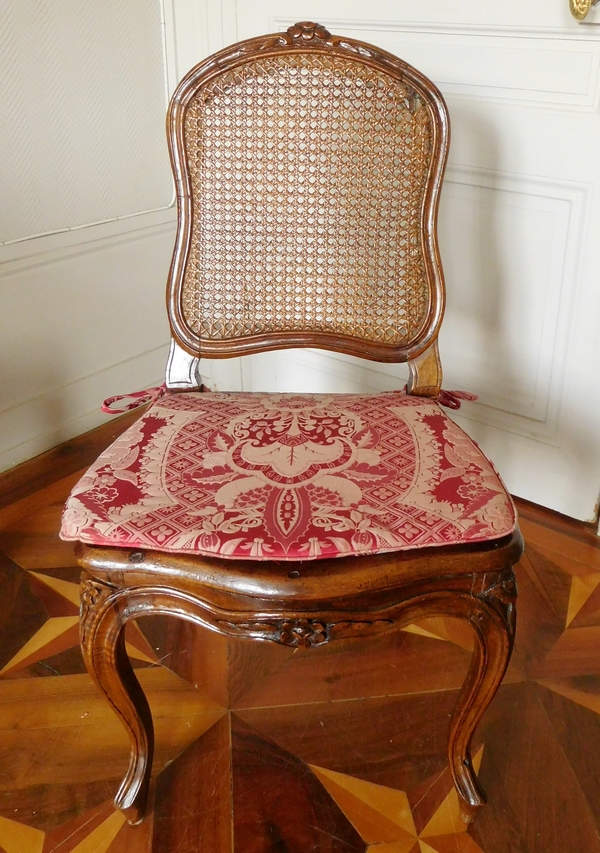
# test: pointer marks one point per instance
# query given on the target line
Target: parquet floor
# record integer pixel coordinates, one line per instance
(263, 749)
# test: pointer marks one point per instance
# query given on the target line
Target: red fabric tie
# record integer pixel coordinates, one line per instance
(452, 399)
(449, 399)
(138, 398)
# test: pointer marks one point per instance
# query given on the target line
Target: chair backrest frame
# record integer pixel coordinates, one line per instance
(302, 39)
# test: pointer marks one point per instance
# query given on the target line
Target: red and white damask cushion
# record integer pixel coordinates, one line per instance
(289, 477)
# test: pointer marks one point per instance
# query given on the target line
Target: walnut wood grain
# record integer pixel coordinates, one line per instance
(102, 624)
(193, 806)
(302, 817)
(118, 586)
(425, 377)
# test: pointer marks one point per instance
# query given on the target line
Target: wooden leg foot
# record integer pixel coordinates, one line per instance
(493, 620)
(103, 646)
(467, 813)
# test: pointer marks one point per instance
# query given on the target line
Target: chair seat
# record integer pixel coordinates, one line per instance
(289, 477)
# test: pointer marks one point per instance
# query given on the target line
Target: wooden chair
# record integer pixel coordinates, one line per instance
(308, 171)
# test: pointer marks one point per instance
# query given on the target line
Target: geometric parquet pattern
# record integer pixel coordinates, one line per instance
(266, 749)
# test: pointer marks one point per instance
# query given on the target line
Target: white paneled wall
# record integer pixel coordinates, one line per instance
(519, 225)
(84, 89)
(77, 325)
(84, 164)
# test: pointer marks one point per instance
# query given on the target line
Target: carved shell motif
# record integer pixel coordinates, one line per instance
(580, 8)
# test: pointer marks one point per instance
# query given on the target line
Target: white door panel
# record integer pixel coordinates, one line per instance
(519, 226)
(455, 15)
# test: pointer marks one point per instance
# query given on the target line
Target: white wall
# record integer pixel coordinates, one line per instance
(86, 215)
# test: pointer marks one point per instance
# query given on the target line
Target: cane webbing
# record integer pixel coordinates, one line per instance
(308, 174)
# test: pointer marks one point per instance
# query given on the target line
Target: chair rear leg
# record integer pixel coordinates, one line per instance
(102, 627)
(493, 619)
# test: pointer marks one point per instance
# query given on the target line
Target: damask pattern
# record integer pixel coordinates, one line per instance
(289, 477)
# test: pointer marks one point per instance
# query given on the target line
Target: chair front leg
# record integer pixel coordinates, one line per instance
(102, 624)
(493, 618)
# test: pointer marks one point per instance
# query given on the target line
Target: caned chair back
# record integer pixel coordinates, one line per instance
(308, 169)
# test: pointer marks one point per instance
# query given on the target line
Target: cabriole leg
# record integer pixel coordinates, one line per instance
(103, 647)
(493, 619)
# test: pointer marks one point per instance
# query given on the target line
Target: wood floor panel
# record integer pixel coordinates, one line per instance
(194, 653)
(392, 741)
(587, 605)
(548, 802)
(551, 581)
(45, 521)
(266, 749)
(279, 804)
(577, 731)
(567, 527)
(51, 646)
(133, 839)
(394, 664)
(254, 666)
(381, 815)
(193, 808)
(574, 653)
(538, 626)
(497, 827)
(47, 807)
(54, 493)
(68, 733)
(75, 831)
(22, 612)
(37, 551)
(587, 553)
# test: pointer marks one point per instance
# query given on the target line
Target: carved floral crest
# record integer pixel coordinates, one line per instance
(308, 31)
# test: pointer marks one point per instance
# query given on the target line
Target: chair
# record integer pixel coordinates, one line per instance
(308, 171)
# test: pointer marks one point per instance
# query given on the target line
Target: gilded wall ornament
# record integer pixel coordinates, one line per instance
(580, 8)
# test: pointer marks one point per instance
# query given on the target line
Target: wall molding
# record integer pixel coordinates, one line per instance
(83, 306)
(92, 123)
(493, 30)
(541, 420)
(85, 241)
(586, 99)
(38, 432)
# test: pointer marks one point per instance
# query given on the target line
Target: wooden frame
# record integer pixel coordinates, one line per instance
(308, 37)
(299, 604)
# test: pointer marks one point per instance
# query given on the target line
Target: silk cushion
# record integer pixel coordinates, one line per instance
(289, 477)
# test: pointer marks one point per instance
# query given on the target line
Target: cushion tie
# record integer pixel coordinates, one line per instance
(448, 399)
(452, 399)
(137, 398)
